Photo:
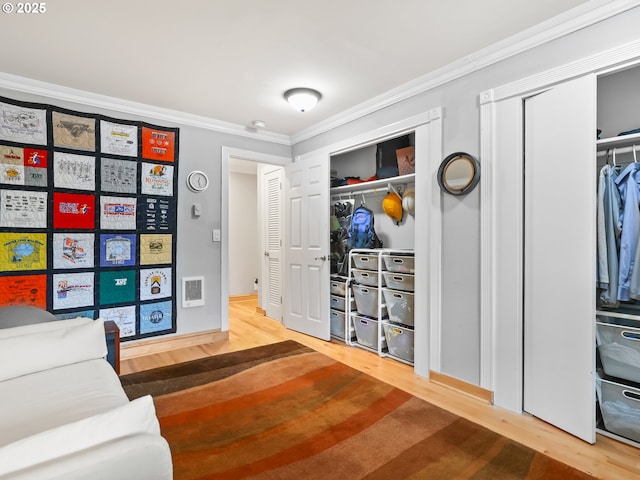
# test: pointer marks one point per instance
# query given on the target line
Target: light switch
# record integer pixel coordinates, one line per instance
(196, 209)
(216, 235)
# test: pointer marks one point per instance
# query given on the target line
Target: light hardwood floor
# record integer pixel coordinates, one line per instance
(607, 459)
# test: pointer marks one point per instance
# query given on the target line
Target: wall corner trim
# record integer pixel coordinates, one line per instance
(577, 18)
(58, 92)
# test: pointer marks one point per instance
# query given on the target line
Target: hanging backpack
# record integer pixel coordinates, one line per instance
(362, 233)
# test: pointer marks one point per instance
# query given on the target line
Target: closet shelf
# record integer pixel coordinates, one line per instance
(618, 142)
(618, 314)
(381, 184)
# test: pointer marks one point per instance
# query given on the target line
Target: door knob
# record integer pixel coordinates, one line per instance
(266, 254)
(323, 258)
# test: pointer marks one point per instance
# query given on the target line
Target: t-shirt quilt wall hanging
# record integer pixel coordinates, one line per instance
(88, 216)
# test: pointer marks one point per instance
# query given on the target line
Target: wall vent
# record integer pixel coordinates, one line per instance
(192, 292)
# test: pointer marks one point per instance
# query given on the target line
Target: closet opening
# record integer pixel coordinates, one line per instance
(618, 257)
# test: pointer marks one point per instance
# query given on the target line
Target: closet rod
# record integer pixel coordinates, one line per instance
(602, 153)
(361, 192)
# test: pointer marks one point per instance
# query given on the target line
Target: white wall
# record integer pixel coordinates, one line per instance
(460, 341)
(617, 111)
(244, 233)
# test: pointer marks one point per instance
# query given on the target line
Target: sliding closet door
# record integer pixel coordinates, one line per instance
(559, 256)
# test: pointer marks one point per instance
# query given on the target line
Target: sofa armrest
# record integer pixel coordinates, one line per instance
(141, 456)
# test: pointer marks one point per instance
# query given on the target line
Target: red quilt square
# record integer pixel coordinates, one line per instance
(35, 158)
(74, 210)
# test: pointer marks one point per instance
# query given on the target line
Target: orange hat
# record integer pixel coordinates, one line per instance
(392, 206)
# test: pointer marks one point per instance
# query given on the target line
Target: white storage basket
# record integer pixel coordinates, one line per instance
(338, 286)
(620, 407)
(399, 281)
(366, 299)
(399, 306)
(619, 350)
(399, 340)
(365, 261)
(339, 303)
(399, 263)
(367, 277)
(337, 323)
(366, 330)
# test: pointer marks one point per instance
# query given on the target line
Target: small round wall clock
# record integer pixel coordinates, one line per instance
(197, 181)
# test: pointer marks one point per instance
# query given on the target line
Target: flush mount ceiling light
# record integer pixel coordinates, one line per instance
(302, 99)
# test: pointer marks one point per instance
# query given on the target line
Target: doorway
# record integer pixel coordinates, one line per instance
(251, 229)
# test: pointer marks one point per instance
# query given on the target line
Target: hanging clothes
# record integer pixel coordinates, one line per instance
(629, 189)
(603, 265)
(609, 232)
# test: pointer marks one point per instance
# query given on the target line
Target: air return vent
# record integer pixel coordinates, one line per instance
(192, 291)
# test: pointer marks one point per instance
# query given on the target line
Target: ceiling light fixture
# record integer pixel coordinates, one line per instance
(302, 99)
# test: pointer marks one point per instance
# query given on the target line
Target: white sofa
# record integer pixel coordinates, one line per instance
(63, 412)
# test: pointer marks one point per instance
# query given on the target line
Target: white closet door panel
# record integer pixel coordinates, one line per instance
(559, 256)
(314, 304)
(316, 235)
(306, 294)
(295, 223)
(273, 178)
(295, 294)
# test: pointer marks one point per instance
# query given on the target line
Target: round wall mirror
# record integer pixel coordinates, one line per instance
(459, 173)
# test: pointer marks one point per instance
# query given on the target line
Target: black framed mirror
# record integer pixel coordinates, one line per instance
(459, 173)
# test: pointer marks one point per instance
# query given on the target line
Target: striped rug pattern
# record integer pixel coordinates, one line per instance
(285, 411)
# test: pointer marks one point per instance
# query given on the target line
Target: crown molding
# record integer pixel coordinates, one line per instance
(58, 92)
(561, 25)
(568, 22)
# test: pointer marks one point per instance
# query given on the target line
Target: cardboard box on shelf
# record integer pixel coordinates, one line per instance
(406, 160)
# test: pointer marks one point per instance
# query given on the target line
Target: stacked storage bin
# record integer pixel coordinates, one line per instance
(398, 294)
(618, 382)
(366, 282)
(341, 305)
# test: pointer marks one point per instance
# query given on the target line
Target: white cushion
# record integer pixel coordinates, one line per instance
(35, 352)
(43, 327)
(132, 418)
(43, 400)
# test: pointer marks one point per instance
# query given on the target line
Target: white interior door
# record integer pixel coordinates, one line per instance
(559, 256)
(272, 178)
(307, 246)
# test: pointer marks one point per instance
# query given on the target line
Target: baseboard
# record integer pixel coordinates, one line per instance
(462, 386)
(157, 345)
(252, 297)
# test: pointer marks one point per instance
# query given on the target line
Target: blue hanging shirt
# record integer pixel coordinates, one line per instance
(629, 189)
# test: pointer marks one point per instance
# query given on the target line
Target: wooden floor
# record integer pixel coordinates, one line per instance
(607, 459)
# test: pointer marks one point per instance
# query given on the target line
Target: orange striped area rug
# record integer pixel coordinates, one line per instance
(285, 411)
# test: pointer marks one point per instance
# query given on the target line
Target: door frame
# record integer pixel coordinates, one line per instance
(227, 154)
(502, 147)
(428, 254)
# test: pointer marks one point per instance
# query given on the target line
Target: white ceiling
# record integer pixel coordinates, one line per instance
(231, 60)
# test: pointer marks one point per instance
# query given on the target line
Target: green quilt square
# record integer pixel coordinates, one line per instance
(117, 287)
